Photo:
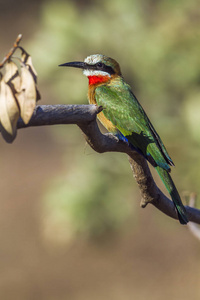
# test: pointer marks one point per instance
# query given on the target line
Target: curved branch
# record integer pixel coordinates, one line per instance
(85, 117)
(193, 227)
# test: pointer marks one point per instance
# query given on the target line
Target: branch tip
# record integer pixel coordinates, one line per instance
(12, 50)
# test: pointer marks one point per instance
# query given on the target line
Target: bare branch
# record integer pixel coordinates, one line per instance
(85, 117)
(194, 228)
(12, 50)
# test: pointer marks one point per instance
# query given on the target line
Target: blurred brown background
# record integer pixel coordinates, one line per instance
(70, 222)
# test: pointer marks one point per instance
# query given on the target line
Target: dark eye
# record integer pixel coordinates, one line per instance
(99, 65)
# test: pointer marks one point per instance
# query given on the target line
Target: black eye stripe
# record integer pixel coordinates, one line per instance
(101, 67)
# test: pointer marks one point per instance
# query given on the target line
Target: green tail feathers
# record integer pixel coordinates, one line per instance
(169, 184)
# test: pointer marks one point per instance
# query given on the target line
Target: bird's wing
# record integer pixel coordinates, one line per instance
(122, 108)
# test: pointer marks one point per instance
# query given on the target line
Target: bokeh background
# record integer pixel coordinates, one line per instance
(70, 222)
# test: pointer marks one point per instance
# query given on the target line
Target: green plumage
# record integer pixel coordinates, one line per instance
(124, 116)
(125, 112)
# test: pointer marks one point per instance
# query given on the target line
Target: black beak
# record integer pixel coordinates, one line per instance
(75, 64)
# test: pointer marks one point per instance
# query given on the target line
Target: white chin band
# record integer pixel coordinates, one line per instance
(88, 72)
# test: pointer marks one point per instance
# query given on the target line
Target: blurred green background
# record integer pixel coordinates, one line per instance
(70, 222)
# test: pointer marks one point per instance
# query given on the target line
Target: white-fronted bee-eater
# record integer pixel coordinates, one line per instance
(123, 116)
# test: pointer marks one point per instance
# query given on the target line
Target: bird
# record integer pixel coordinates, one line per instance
(123, 116)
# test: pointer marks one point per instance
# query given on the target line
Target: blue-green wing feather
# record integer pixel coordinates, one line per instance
(123, 109)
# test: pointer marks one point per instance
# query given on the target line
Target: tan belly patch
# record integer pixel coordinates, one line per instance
(105, 122)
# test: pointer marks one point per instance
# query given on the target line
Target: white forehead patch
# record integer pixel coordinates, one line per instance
(93, 59)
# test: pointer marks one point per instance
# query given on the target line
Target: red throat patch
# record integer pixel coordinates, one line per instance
(97, 79)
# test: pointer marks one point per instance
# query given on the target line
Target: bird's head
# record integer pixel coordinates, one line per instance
(97, 67)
